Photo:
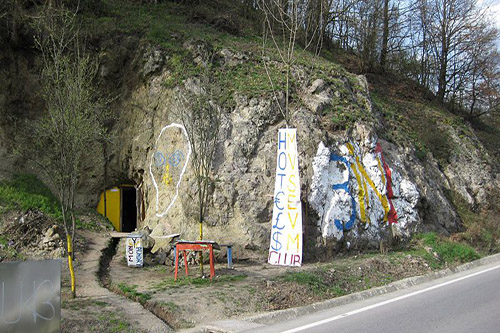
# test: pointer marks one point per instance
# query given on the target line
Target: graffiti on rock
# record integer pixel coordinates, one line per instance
(168, 165)
(350, 186)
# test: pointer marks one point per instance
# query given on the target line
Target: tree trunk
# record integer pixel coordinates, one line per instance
(105, 152)
(442, 74)
(443, 60)
(385, 36)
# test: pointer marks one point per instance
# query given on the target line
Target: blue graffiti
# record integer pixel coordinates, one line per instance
(176, 158)
(159, 159)
(344, 187)
(277, 200)
(276, 235)
(275, 226)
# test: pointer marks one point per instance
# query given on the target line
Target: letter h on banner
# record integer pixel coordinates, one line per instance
(286, 226)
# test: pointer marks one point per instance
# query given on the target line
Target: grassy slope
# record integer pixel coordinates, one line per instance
(409, 115)
(412, 118)
(26, 192)
(409, 118)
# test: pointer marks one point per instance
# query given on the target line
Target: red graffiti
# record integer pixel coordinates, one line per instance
(276, 258)
(392, 217)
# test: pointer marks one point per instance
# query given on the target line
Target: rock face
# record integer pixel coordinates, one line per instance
(357, 195)
(355, 188)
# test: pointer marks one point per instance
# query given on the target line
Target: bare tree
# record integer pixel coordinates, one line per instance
(284, 21)
(451, 22)
(201, 116)
(72, 123)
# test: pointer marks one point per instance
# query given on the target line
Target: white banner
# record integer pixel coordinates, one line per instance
(286, 232)
(134, 251)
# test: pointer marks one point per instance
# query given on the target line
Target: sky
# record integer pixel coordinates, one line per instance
(495, 10)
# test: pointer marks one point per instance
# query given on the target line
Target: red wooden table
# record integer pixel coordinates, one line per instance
(199, 245)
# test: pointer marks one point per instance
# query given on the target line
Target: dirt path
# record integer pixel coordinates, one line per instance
(94, 300)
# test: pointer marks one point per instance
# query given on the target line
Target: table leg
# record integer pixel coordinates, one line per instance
(186, 263)
(176, 264)
(212, 268)
(229, 257)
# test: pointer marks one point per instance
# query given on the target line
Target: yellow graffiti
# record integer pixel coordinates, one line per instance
(363, 192)
(167, 179)
(382, 198)
(361, 169)
(361, 195)
(294, 240)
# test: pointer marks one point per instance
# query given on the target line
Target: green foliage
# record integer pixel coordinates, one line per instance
(181, 67)
(482, 229)
(447, 251)
(28, 192)
(344, 117)
(91, 220)
(304, 278)
(249, 79)
(419, 124)
(8, 252)
(313, 282)
(113, 323)
(131, 292)
(166, 24)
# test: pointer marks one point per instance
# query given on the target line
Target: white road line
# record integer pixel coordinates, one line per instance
(373, 306)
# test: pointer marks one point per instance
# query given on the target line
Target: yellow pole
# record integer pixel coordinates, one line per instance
(201, 252)
(70, 264)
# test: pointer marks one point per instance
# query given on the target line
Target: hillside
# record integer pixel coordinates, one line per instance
(392, 183)
(444, 169)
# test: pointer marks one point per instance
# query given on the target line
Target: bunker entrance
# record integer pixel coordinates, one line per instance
(129, 209)
(119, 204)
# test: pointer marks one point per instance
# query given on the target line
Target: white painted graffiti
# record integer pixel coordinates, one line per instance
(159, 160)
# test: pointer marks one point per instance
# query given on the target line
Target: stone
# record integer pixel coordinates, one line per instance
(231, 58)
(160, 257)
(317, 86)
(317, 97)
(350, 196)
(154, 61)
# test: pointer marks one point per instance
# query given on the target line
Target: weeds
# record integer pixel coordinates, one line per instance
(170, 306)
(169, 282)
(441, 251)
(482, 229)
(313, 282)
(131, 292)
(28, 192)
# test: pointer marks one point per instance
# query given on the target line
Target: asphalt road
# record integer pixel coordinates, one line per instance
(465, 302)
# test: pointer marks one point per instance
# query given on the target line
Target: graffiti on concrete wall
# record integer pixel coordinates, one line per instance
(168, 165)
(350, 186)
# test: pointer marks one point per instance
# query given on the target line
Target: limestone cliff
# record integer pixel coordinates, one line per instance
(357, 189)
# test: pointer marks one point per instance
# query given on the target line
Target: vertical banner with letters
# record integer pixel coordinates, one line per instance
(134, 251)
(286, 231)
